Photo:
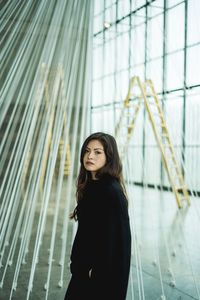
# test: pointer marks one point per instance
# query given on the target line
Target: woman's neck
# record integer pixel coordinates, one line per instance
(94, 176)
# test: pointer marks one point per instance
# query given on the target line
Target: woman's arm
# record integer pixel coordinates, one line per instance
(116, 249)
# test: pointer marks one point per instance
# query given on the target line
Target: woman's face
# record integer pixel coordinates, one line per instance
(94, 157)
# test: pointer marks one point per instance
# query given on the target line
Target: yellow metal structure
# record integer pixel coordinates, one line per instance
(59, 72)
(47, 144)
(49, 134)
(145, 93)
(68, 157)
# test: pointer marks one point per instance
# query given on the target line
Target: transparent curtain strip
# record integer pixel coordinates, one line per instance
(45, 99)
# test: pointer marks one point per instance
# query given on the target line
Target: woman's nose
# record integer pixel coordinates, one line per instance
(90, 155)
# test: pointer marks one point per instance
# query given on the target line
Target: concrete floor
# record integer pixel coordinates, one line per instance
(168, 245)
(165, 261)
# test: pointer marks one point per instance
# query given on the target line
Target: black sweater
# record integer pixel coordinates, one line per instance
(103, 239)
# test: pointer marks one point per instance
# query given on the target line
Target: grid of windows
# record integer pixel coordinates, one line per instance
(157, 40)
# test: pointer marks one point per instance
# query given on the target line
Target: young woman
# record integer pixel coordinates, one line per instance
(101, 252)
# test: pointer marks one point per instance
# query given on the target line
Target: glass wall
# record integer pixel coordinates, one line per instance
(157, 40)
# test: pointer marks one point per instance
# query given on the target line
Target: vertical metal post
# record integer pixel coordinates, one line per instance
(145, 74)
(115, 49)
(184, 87)
(163, 77)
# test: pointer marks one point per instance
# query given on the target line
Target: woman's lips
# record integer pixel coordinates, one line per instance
(89, 163)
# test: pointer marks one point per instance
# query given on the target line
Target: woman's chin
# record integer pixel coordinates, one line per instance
(90, 168)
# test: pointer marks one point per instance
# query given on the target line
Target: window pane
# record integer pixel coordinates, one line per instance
(193, 65)
(98, 6)
(154, 72)
(171, 3)
(175, 70)
(138, 45)
(138, 71)
(108, 2)
(109, 90)
(109, 66)
(110, 14)
(175, 28)
(192, 139)
(192, 166)
(193, 119)
(122, 84)
(155, 37)
(123, 8)
(97, 92)
(98, 23)
(122, 51)
(152, 162)
(156, 8)
(97, 120)
(97, 62)
(173, 117)
(173, 111)
(103, 120)
(108, 125)
(193, 21)
(137, 3)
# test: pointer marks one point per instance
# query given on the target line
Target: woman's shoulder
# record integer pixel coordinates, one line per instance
(113, 185)
(118, 203)
(116, 193)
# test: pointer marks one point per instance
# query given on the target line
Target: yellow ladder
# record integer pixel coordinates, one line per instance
(148, 96)
(126, 124)
(68, 157)
(59, 72)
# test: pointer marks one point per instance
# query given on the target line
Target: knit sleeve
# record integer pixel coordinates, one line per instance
(116, 247)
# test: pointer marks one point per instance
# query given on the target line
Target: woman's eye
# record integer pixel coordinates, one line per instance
(97, 152)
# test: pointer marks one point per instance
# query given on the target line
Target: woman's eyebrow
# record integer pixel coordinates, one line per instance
(94, 148)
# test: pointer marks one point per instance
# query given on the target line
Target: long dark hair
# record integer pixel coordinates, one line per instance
(113, 166)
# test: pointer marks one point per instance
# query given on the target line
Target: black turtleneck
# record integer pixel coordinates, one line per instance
(103, 239)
